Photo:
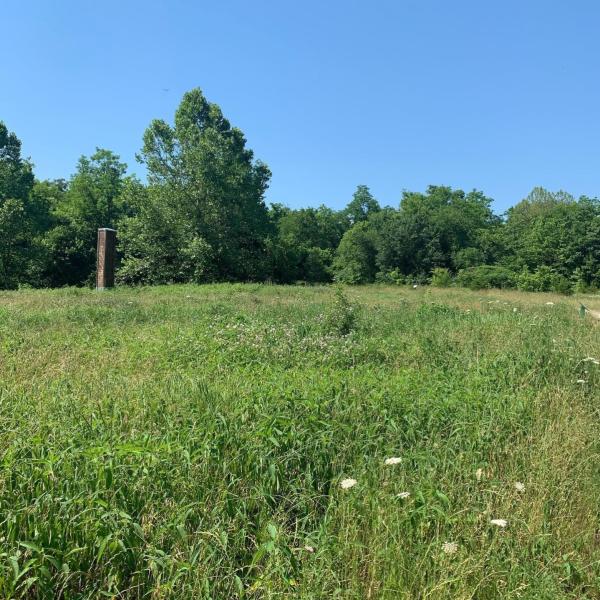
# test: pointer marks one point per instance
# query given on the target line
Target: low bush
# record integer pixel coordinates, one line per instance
(391, 277)
(440, 277)
(486, 276)
(543, 279)
(341, 319)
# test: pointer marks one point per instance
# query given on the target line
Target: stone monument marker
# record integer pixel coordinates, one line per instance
(105, 271)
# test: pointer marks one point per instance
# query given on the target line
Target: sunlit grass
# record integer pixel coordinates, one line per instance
(230, 441)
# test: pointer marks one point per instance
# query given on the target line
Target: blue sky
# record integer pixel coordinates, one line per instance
(498, 96)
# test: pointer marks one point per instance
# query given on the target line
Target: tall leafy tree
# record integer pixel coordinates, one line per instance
(93, 196)
(16, 173)
(306, 243)
(92, 199)
(356, 256)
(434, 229)
(17, 251)
(361, 206)
(553, 230)
(312, 227)
(205, 180)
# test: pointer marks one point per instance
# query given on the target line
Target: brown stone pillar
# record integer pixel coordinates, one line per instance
(105, 271)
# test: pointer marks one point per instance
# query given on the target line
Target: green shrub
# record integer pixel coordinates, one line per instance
(543, 279)
(468, 257)
(355, 257)
(317, 264)
(440, 277)
(350, 273)
(486, 276)
(563, 286)
(342, 316)
(580, 284)
(392, 277)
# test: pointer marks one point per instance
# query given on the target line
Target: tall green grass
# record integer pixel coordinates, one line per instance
(189, 442)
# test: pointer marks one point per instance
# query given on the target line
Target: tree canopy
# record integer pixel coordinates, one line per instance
(201, 216)
(205, 199)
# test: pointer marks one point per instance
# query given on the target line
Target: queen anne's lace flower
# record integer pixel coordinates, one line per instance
(450, 547)
(346, 484)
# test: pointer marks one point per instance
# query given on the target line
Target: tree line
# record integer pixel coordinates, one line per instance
(201, 216)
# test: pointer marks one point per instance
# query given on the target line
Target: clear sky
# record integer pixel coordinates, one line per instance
(498, 96)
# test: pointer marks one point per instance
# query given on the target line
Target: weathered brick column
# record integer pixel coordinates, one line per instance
(105, 270)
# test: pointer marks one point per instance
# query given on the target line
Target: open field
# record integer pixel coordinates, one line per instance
(190, 442)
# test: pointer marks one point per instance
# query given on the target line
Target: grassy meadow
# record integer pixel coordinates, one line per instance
(191, 442)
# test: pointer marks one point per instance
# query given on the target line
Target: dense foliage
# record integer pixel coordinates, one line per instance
(201, 217)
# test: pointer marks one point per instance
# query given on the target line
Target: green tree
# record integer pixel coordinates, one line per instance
(160, 244)
(433, 229)
(306, 243)
(92, 199)
(205, 183)
(93, 196)
(16, 174)
(556, 233)
(355, 260)
(17, 229)
(312, 227)
(361, 206)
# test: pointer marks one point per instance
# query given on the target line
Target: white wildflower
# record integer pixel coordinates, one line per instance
(520, 487)
(515, 309)
(450, 547)
(403, 495)
(346, 484)
(394, 460)
(499, 522)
